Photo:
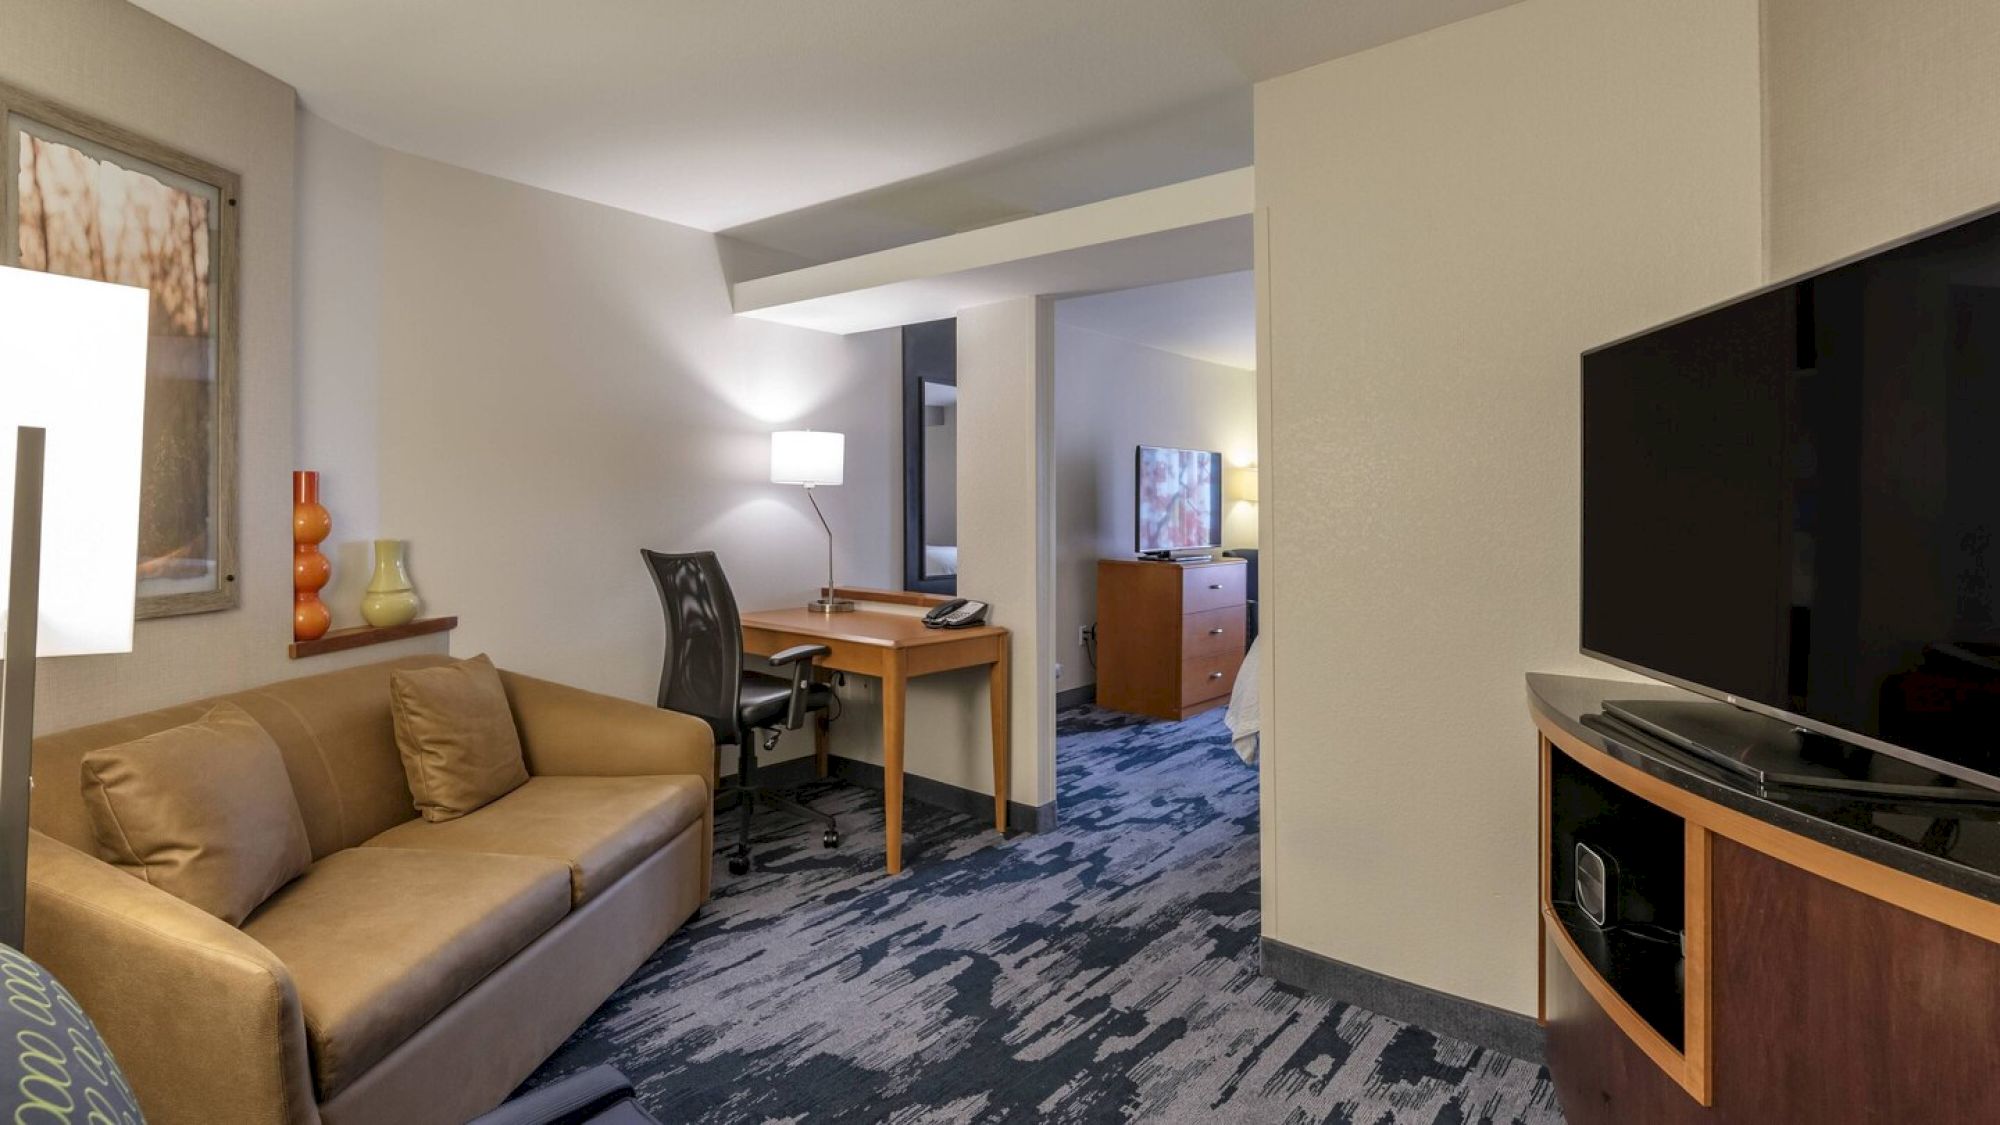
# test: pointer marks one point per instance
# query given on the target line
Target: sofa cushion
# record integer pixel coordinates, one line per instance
(333, 729)
(381, 940)
(203, 811)
(456, 734)
(602, 827)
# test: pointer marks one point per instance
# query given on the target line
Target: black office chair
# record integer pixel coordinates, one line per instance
(703, 675)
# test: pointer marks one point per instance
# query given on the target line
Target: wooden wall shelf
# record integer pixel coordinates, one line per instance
(361, 636)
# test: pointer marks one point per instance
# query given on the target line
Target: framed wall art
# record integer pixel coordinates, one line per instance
(89, 199)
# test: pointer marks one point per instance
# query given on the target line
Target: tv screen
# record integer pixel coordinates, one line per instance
(1793, 501)
(1179, 501)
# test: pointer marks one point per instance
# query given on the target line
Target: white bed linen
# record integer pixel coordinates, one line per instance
(1243, 717)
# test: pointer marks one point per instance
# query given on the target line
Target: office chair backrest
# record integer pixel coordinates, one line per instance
(702, 672)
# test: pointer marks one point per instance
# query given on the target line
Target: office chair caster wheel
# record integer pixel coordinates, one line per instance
(739, 865)
(830, 839)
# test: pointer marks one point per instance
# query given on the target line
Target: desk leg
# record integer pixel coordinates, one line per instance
(1003, 758)
(894, 686)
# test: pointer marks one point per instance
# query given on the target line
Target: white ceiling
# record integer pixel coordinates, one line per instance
(718, 114)
(1189, 229)
(1187, 142)
(1207, 318)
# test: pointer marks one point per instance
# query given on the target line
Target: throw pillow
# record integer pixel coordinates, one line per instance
(456, 734)
(203, 811)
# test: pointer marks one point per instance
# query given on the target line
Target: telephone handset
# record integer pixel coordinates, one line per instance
(958, 613)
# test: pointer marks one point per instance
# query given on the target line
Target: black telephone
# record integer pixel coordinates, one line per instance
(958, 613)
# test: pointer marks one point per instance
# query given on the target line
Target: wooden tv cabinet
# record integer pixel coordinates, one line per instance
(1841, 958)
(1170, 636)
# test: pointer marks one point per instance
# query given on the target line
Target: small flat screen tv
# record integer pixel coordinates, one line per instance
(1791, 502)
(1179, 503)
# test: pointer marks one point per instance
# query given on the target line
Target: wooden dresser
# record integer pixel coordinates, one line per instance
(1170, 636)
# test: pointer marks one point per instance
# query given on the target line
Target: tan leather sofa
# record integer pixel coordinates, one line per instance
(417, 972)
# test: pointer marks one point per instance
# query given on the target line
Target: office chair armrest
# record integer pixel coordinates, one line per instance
(796, 653)
(801, 658)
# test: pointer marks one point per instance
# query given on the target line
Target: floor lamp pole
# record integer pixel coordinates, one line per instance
(17, 682)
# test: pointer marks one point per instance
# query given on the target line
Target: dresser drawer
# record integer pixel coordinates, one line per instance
(1206, 677)
(1211, 587)
(1212, 632)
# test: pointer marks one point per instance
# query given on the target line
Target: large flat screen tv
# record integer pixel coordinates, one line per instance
(1791, 502)
(1179, 502)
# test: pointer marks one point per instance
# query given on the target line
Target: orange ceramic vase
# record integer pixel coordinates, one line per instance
(310, 526)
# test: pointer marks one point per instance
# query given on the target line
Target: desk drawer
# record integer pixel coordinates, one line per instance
(1213, 632)
(1207, 677)
(1211, 587)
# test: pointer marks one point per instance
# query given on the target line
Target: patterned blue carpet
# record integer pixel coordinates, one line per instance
(1106, 971)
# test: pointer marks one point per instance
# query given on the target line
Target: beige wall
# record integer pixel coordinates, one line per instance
(535, 387)
(1883, 119)
(109, 59)
(1113, 395)
(1447, 222)
(1006, 533)
(554, 384)
(339, 290)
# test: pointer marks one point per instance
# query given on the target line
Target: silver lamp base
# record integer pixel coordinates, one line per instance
(831, 605)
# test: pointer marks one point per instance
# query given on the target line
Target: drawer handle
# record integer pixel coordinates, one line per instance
(1215, 585)
(1215, 632)
(1215, 675)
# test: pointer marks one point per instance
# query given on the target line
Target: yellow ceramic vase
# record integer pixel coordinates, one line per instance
(391, 599)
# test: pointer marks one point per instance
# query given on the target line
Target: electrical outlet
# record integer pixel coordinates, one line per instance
(1058, 670)
(1083, 633)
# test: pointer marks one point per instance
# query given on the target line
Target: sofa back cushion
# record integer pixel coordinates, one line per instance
(456, 734)
(333, 730)
(203, 811)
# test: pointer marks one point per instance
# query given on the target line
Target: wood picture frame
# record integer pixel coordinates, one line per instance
(189, 505)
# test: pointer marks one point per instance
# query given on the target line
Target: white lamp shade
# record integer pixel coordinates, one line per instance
(808, 457)
(1243, 484)
(73, 361)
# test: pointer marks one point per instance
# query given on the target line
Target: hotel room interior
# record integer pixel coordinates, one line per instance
(1390, 561)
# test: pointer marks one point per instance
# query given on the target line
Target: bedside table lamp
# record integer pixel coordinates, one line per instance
(813, 458)
(72, 407)
(1243, 484)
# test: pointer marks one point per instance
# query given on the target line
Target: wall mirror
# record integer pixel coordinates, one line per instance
(930, 457)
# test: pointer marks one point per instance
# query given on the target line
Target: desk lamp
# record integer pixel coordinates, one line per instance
(813, 458)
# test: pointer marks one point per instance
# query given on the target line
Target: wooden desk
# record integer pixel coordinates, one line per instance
(895, 648)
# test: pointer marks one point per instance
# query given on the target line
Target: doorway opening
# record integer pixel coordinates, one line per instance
(1155, 452)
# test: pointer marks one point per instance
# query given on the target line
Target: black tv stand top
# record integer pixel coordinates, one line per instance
(1777, 755)
(1952, 843)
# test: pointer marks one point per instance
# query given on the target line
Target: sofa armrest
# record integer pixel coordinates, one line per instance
(569, 731)
(204, 1021)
